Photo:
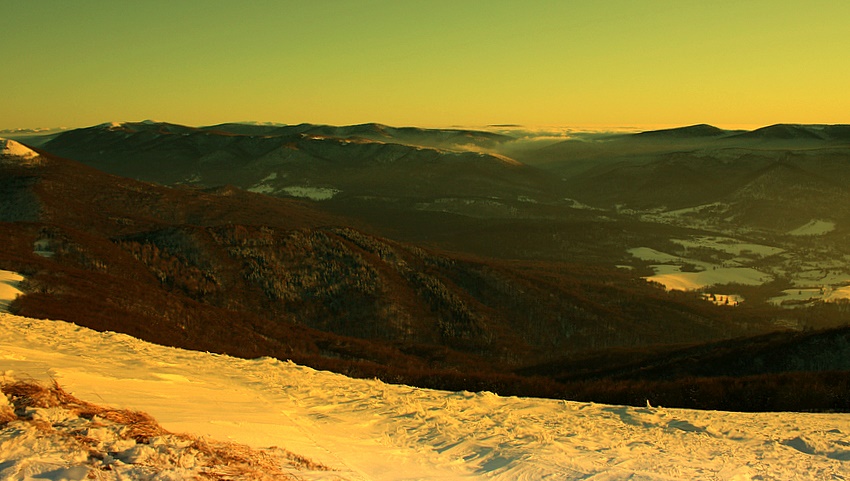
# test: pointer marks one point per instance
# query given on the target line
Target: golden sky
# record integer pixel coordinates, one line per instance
(425, 63)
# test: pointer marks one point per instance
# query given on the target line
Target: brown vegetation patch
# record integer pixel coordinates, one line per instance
(219, 460)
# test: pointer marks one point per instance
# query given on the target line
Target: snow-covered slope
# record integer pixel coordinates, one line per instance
(9, 288)
(11, 148)
(369, 430)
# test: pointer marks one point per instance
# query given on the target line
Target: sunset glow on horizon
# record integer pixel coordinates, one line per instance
(649, 64)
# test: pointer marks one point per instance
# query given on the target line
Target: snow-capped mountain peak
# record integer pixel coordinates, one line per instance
(122, 125)
(11, 148)
(110, 125)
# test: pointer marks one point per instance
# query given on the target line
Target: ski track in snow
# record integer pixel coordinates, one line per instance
(369, 430)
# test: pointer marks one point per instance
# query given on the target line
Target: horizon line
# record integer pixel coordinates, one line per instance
(565, 127)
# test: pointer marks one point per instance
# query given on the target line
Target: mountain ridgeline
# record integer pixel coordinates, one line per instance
(743, 174)
(797, 171)
(306, 160)
(426, 256)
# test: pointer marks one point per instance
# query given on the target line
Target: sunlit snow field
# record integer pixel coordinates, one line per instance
(369, 430)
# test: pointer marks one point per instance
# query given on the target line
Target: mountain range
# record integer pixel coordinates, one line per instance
(466, 172)
(310, 160)
(799, 170)
(416, 255)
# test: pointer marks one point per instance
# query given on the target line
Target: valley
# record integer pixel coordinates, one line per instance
(797, 268)
(447, 258)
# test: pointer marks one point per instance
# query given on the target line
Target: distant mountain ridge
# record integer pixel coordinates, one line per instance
(822, 132)
(687, 167)
(462, 171)
(827, 133)
(360, 160)
(699, 130)
(371, 131)
(375, 131)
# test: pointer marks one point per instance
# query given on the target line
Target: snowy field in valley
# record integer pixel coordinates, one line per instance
(312, 193)
(814, 227)
(815, 279)
(805, 296)
(672, 277)
(729, 246)
(669, 272)
(9, 282)
(369, 430)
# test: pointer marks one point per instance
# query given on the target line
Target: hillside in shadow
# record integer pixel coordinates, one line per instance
(533, 306)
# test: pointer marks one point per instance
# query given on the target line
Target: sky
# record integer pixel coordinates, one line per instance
(425, 62)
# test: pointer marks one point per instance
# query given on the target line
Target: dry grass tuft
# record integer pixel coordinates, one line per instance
(231, 458)
(22, 394)
(139, 426)
(7, 414)
(220, 460)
